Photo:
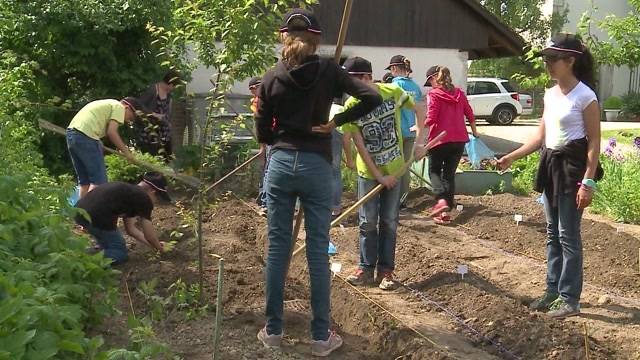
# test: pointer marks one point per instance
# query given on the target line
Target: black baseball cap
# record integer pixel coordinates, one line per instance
(255, 81)
(433, 71)
(564, 43)
(358, 66)
(397, 60)
(135, 105)
(158, 182)
(309, 22)
(387, 78)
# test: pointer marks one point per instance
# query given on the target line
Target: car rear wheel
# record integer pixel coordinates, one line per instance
(503, 115)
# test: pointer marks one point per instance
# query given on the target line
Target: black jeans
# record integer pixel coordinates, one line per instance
(443, 162)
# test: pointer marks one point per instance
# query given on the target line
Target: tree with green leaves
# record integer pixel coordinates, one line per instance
(81, 50)
(622, 45)
(525, 18)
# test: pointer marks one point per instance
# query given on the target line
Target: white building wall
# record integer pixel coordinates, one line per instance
(613, 80)
(421, 60)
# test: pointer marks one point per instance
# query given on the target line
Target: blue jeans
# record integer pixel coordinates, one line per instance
(378, 224)
(111, 242)
(87, 157)
(306, 175)
(564, 248)
(262, 189)
(336, 151)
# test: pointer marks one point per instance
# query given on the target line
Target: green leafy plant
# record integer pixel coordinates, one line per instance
(612, 103)
(615, 195)
(524, 173)
(631, 104)
(157, 305)
(186, 299)
(120, 169)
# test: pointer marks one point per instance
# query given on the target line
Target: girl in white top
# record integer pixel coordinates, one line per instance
(570, 133)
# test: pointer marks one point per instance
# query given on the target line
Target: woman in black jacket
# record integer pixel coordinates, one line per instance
(295, 97)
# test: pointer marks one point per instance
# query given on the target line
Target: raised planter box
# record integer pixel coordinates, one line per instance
(478, 182)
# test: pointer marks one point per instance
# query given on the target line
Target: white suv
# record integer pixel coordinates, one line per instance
(493, 99)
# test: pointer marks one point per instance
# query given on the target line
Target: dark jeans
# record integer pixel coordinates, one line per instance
(262, 188)
(87, 158)
(405, 182)
(306, 175)
(378, 219)
(336, 151)
(564, 248)
(111, 242)
(443, 162)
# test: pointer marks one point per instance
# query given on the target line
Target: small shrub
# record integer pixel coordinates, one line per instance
(617, 195)
(524, 173)
(120, 169)
(612, 103)
(631, 104)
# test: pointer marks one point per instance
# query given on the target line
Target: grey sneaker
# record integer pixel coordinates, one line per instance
(544, 302)
(387, 282)
(361, 278)
(561, 309)
(269, 341)
(326, 347)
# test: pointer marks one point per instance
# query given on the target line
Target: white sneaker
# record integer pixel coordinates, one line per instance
(324, 348)
(269, 341)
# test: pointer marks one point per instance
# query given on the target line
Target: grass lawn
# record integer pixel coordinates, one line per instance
(622, 136)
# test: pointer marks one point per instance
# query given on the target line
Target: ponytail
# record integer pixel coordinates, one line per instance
(583, 68)
(443, 78)
(298, 45)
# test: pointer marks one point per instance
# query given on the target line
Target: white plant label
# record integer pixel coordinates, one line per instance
(518, 218)
(619, 229)
(459, 207)
(336, 267)
(462, 269)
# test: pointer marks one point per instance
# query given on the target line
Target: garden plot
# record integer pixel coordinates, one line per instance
(490, 300)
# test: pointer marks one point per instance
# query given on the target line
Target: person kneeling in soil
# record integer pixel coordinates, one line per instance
(378, 138)
(108, 202)
(570, 133)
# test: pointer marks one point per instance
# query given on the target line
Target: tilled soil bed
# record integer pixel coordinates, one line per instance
(438, 320)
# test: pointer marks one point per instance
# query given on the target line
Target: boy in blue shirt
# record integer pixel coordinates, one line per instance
(400, 68)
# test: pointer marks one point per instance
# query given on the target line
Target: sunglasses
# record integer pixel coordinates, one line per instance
(551, 59)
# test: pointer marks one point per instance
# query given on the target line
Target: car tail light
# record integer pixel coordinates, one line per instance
(515, 96)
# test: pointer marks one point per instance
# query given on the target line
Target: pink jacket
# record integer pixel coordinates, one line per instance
(446, 111)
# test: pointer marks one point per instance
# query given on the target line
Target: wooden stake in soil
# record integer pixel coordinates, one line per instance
(126, 284)
(217, 331)
(586, 341)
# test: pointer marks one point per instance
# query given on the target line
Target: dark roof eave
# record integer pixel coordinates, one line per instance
(514, 43)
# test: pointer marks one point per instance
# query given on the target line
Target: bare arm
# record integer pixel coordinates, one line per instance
(346, 147)
(134, 232)
(592, 126)
(534, 143)
(387, 181)
(112, 133)
(421, 113)
(150, 234)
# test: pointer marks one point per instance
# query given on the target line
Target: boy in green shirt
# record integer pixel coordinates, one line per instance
(94, 121)
(378, 138)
